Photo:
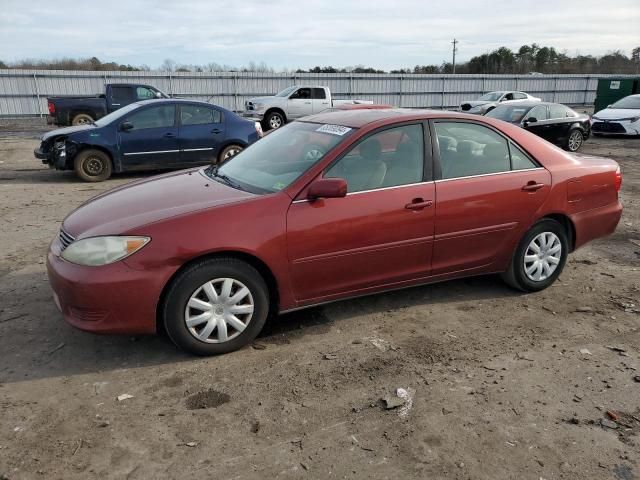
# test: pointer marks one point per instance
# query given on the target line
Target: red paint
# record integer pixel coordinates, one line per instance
(329, 248)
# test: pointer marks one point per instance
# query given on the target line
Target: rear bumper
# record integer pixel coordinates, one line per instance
(596, 223)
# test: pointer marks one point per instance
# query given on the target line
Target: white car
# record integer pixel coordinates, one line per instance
(621, 118)
(491, 100)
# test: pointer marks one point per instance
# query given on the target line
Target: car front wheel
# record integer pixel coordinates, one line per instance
(274, 120)
(215, 306)
(539, 258)
(93, 165)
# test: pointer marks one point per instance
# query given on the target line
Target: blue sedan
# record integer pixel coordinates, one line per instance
(148, 135)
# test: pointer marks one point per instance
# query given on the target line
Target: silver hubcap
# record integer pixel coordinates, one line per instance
(542, 256)
(231, 152)
(275, 121)
(219, 310)
(575, 140)
(83, 121)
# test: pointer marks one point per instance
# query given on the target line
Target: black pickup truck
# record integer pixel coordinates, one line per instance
(84, 110)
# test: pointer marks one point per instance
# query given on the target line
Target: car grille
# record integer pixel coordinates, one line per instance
(65, 239)
(610, 127)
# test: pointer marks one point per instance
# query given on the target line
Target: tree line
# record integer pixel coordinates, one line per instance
(527, 59)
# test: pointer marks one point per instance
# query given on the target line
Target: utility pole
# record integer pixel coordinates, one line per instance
(455, 49)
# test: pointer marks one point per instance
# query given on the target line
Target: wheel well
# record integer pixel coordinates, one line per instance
(568, 226)
(276, 109)
(252, 260)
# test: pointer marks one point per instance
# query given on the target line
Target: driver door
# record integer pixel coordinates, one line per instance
(299, 103)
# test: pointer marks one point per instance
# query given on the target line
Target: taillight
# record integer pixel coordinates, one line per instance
(259, 129)
(52, 108)
(618, 179)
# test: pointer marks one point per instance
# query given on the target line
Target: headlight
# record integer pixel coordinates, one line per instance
(634, 119)
(97, 251)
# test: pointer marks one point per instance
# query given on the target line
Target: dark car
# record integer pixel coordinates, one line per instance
(554, 122)
(86, 109)
(395, 198)
(149, 135)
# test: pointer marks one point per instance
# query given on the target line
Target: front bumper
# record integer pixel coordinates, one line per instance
(615, 128)
(38, 153)
(253, 115)
(113, 299)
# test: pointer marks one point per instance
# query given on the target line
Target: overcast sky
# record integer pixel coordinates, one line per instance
(291, 34)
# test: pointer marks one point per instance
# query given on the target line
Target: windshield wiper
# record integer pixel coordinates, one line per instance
(213, 172)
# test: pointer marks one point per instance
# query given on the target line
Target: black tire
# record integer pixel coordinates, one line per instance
(82, 119)
(516, 276)
(574, 140)
(228, 152)
(274, 120)
(173, 310)
(93, 165)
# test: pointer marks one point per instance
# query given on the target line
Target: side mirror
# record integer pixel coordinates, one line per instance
(126, 126)
(158, 95)
(327, 188)
(530, 120)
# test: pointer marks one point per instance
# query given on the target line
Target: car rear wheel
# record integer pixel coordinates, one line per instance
(539, 257)
(574, 140)
(82, 119)
(93, 165)
(229, 152)
(274, 120)
(215, 306)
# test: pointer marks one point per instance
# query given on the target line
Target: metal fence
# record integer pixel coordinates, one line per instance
(24, 92)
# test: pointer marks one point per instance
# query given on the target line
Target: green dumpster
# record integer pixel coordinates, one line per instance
(610, 90)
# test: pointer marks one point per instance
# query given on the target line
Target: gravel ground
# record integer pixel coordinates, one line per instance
(498, 385)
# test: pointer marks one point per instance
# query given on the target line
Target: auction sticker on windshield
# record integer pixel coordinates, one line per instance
(334, 129)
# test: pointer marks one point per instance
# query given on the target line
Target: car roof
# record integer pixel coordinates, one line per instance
(362, 117)
(530, 103)
(156, 101)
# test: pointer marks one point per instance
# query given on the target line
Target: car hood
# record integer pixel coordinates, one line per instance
(616, 113)
(66, 131)
(261, 99)
(147, 201)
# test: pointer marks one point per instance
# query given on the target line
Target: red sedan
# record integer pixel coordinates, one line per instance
(338, 205)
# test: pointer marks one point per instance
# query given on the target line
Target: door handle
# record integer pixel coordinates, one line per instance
(169, 135)
(216, 130)
(532, 186)
(418, 204)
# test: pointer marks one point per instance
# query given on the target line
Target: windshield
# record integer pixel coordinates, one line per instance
(286, 92)
(276, 161)
(491, 96)
(509, 113)
(107, 119)
(627, 102)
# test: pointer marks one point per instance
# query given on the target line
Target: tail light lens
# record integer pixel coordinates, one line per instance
(52, 108)
(618, 179)
(259, 129)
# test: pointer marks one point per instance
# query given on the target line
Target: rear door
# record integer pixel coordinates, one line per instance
(299, 103)
(381, 233)
(559, 123)
(319, 99)
(119, 96)
(202, 131)
(487, 193)
(153, 140)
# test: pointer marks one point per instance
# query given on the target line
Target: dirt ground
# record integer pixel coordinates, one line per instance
(500, 385)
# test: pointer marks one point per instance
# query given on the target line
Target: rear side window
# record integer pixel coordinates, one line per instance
(121, 94)
(153, 117)
(468, 149)
(318, 93)
(519, 96)
(557, 111)
(198, 115)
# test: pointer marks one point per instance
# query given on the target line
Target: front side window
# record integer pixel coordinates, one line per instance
(508, 113)
(389, 158)
(198, 115)
(153, 117)
(145, 93)
(302, 93)
(278, 159)
(491, 96)
(539, 113)
(468, 149)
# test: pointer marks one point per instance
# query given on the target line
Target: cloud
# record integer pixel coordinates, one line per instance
(288, 33)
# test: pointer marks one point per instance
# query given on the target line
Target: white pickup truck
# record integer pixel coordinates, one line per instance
(291, 103)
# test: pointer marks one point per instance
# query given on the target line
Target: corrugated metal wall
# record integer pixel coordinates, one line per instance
(24, 92)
